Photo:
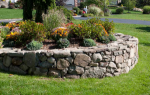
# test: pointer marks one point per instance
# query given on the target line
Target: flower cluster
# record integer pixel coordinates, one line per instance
(62, 32)
(12, 25)
(12, 35)
(105, 32)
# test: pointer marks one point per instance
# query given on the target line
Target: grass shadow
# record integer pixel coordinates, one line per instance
(145, 44)
(147, 29)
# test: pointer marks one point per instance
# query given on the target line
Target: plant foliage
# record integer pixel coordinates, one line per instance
(89, 42)
(34, 45)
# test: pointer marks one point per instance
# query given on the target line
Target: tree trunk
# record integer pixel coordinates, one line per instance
(27, 9)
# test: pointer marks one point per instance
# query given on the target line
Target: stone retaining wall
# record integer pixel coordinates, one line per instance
(101, 61)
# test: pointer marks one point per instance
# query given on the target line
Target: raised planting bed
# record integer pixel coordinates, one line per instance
(99, 61)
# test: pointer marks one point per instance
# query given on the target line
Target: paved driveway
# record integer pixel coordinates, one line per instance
(110, 19)
(118, 20)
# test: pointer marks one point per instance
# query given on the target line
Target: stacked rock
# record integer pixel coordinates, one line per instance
(101, 61)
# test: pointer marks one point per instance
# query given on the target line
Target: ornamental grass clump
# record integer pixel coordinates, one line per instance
(94, 10)
(54, 18)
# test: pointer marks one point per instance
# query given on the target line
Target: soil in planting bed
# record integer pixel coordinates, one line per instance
(74, 42)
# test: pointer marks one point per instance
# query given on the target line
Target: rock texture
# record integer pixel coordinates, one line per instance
(101, 61)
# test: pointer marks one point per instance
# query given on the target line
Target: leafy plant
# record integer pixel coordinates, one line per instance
(104, 39)
(4, 31)
(146, 10)
(63, 43)
(53, 19)
(89, 42)
(76, 9)
(31, 30)
(34, 45)
(119, 10)
(112, 37)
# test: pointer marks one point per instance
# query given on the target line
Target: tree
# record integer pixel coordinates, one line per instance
(99, 3)
(27, 9)
(40, 7)
(141, 3)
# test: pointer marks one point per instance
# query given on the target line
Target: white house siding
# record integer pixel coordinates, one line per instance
(70, 2)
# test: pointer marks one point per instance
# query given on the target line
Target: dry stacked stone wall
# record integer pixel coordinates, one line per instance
(101, 61)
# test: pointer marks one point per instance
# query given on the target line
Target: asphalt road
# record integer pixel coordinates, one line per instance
(110, 19)
(119, 20)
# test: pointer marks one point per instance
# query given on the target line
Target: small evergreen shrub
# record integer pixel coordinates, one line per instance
(34, 45)
(104, 39)
(112, 37)
(4, 31)
(77, 10)
(119, 10)
(146, 10)
(89, 42)
(63, 43)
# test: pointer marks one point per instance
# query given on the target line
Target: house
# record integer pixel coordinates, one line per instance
(72, 3)
(6, 2)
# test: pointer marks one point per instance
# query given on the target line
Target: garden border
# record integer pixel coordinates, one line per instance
(101, 61)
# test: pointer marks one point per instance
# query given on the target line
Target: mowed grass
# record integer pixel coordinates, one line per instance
(12, 13)
(136, 82)
(134, 15)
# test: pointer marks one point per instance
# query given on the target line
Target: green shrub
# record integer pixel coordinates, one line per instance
(104, 39)
(68, 13)
(130, 4)
(109, 26)
(89, 42)
(107, 12)
(146, 10)
(94, 10)
(77, 10)
(34, 45)
(82, 5)
(87, 15)
(53, 19)
(112, 37)
(4, 31)
(119, 10)
(92, 28)
(29, 31)
(63, 43)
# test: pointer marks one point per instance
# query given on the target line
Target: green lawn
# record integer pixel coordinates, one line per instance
(132, 15)
(136, 82)
(11, 13)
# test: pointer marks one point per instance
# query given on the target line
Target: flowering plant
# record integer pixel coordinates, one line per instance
(12, 25)
(60, 33)
(12, 36)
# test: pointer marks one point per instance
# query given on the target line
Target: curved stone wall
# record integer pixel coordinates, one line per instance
(101, 61)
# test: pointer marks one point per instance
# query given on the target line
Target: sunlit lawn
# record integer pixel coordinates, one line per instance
(136, 82)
